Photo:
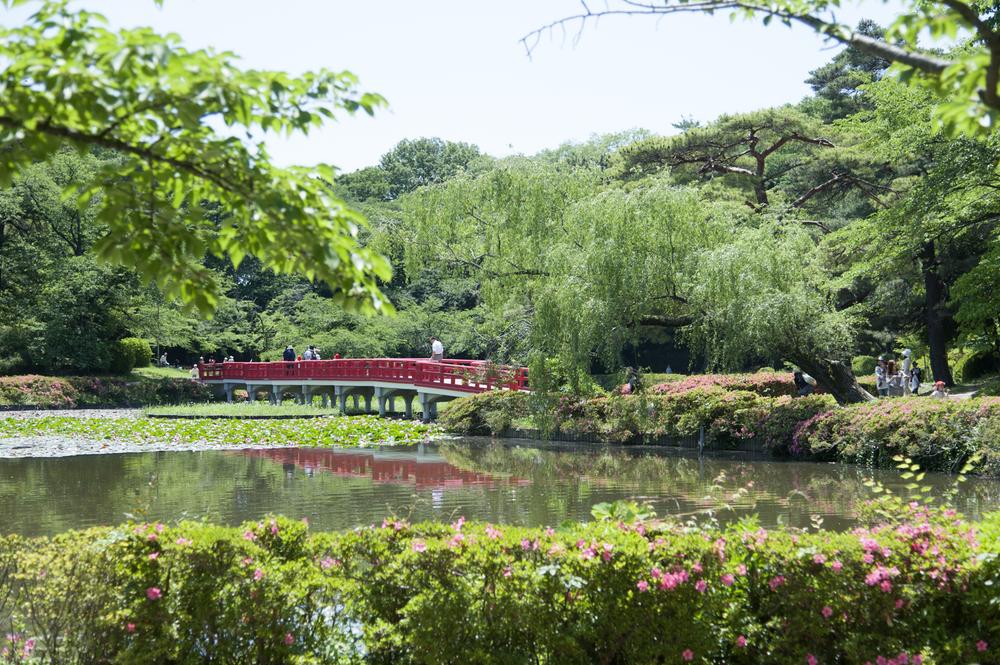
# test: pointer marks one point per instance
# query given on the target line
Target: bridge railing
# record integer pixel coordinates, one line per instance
(454, 374)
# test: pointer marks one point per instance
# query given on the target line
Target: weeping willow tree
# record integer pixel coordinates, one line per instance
(594, 263)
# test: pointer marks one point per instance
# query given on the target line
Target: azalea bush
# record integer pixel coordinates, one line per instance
(32, 391)
(939, 435)
(359, 431)
(914, 585)
(768, 384)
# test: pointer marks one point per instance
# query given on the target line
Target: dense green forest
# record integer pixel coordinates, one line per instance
(844, 225)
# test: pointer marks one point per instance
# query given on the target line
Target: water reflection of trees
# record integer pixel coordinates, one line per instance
(684, 484)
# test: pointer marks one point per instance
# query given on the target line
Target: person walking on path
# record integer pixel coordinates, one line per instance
(437, 350)
(881, 379)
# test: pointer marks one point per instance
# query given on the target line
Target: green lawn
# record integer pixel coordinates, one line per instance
(162, 373)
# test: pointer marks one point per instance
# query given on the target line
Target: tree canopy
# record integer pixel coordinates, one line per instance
(186, 128)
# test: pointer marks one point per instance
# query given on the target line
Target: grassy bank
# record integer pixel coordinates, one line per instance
(364, 431)
(142, 388)
(913, 587)
(239, 410)
(939, 435)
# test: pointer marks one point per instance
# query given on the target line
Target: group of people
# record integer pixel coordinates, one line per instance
(311, 353)
(902, 379)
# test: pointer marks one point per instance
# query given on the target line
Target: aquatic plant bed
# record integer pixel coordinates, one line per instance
(30, 436)
(914, 586)
(256, 410)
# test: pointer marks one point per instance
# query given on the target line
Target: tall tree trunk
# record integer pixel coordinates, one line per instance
(834, 377)
(935, 313)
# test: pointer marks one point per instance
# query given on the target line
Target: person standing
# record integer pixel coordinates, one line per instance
(881, 379)
(907, 364)
(915, 376)
(289, 354)
(308, 354)
(437, 350)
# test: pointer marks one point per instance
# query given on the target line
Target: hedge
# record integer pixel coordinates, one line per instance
(937, 434)
(32, 391)
(909, 590)
(768, 384)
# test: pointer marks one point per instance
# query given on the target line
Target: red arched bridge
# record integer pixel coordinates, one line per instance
(334, 381)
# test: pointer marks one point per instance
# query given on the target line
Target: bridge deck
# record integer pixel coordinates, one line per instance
(447, 376)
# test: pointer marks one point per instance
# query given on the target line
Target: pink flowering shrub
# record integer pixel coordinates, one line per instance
(917, 586)
(48, 392)
(937, 434)
(766, 384)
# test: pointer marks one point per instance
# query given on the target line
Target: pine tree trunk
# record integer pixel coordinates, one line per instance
(835, 378)
(935, 313)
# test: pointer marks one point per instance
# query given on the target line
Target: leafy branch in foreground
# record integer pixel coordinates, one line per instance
(194, 177)
(968, 77)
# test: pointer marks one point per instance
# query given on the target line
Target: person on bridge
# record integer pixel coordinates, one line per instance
(437, 349)
(289, 354)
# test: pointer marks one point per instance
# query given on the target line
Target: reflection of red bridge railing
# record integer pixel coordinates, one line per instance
(471, 376)
(380, 469)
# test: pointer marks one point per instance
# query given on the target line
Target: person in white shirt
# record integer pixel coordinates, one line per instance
(939, 390)
(437, 349)
(881, 380)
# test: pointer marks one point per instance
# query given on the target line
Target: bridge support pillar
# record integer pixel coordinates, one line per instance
(341, 399)
(368, 403)
(380, 396)
(251, 393)
(229, 388)
(428, 404)
(275, 395)
(307, 395)
(409, 406)
(324, 397)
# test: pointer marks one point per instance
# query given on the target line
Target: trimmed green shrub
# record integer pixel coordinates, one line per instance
(486, 413)
(863, 365)
(130, 353)
(977, 365)
(911, 588)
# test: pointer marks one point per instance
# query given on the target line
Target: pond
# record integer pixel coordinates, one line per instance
(506, 483)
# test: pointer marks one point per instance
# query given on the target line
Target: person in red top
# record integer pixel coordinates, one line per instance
(336, 356)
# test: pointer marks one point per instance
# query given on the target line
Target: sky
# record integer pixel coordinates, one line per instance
(454, 68)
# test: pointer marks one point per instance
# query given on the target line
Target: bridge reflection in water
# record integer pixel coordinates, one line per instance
(423, 472)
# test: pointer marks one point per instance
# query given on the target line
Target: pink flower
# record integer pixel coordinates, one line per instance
(741, 641)
(153, 593)
(457, 524)
(182, 541)
(258, 575)
(728, 579)
(507, 572)
(130, 627)
(606, 554)
(811, 659)
(687, 655)
(326, 563)
(249, 535)
(701, 586)
(741, 569)
(549, 531)
(776, 581)
(418, 546)
(836, 566)
(492, 533)
(159, 527)
(643, 585)
(525, 544)
(827, 611)
(289, 639)
(152, 537)
(819, 559)
(153, 556)
(981, 646)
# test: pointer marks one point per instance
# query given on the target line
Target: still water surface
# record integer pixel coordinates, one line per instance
(501, 483)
